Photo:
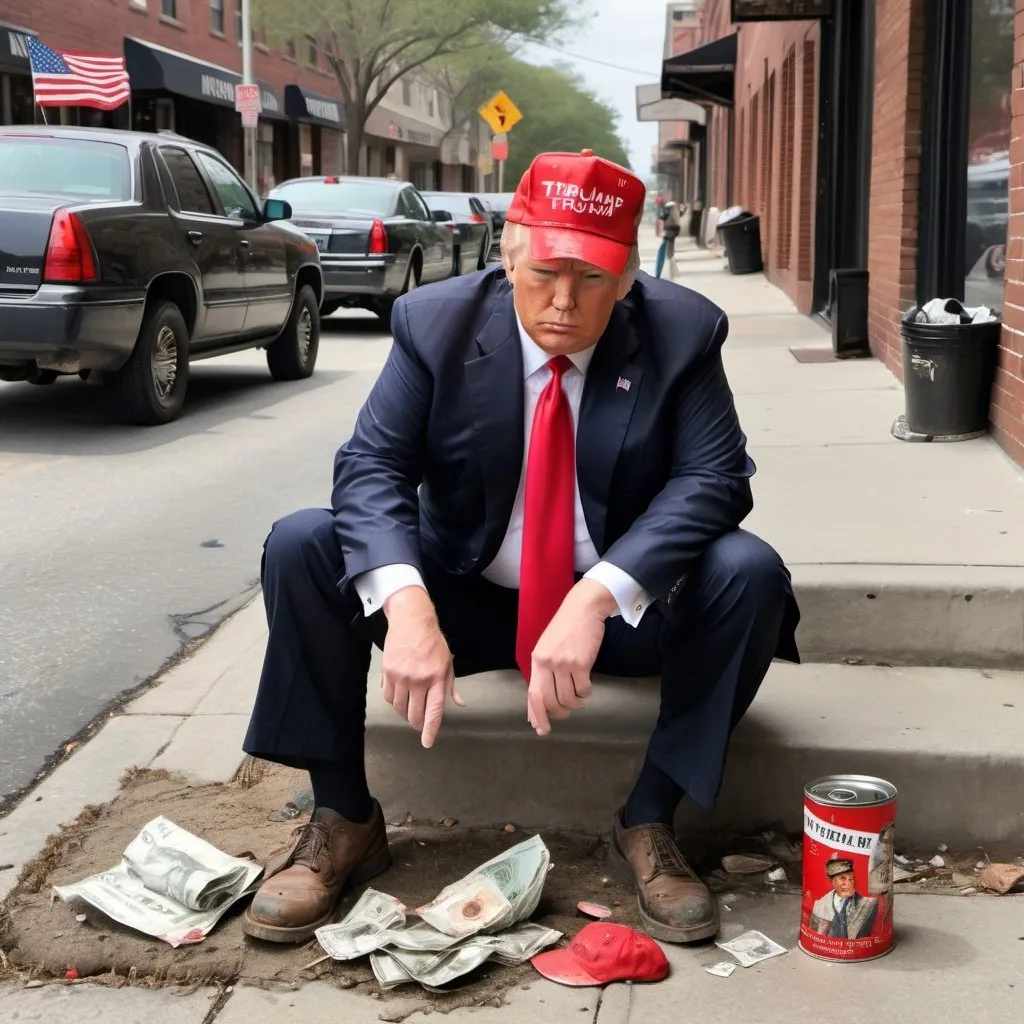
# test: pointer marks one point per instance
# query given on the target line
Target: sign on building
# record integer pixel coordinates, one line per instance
(781, 10)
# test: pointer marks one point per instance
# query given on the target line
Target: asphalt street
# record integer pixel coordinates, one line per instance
(119, 545)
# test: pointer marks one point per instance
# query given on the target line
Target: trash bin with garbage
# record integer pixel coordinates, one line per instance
(950, 352)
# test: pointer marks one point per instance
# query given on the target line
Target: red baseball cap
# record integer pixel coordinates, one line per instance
(581, 207)
(602, 953)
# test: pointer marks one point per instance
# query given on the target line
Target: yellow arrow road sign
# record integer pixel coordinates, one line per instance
(500, 113)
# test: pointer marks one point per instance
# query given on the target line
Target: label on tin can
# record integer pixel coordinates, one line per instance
(849, 842)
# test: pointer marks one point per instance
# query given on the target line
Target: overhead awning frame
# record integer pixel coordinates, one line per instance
(704, 75)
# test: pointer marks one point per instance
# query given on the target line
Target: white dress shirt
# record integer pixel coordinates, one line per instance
(377, 585)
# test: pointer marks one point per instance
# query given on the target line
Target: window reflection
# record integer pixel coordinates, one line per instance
(988, 155)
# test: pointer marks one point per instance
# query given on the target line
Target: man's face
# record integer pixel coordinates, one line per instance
(565, 305)
(844, 884)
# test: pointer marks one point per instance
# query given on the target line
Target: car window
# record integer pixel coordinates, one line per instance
(314, 196)
(65, 167)
(418, 207)
(193, 196)
(234, 196)
(477, 207)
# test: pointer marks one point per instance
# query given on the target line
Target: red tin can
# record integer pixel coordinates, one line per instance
(849, 841)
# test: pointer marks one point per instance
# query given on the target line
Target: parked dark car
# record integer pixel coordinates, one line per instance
(130, 254)
(465, 216)
(498, 204)
(376, 236)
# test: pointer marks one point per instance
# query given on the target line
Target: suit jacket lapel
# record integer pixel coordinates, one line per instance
(609, 397)
(495, 382)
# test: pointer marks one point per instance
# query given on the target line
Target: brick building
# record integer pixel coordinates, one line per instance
(884, 136)
(184, 59)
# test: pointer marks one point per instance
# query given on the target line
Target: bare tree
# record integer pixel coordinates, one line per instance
(374, 43)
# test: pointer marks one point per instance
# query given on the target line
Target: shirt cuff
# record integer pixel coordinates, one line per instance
(630, 596)
(377, 585)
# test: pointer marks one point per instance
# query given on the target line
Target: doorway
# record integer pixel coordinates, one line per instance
(846, 116)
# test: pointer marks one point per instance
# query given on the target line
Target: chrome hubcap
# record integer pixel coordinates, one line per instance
(165, 363)
(305, 333)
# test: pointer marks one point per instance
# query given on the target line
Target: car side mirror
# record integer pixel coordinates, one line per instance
(277, 209)
(441, 216)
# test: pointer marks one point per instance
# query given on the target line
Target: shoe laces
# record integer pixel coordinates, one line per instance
(313, 839)
(664, 854)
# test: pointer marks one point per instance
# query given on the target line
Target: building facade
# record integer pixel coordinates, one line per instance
(885, 136)
(184, 60)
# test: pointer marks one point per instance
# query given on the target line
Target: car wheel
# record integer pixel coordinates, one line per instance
(456, 262)
(995, 261)
(150, 388)
(293, 355)
(43, 377)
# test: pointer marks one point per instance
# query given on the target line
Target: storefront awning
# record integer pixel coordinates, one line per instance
(704, 75)
(14, 46)
(389, 124)
(153, 68)
(313, 108)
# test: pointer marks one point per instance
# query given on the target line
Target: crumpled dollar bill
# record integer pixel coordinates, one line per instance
(170, 884)
(475, 919)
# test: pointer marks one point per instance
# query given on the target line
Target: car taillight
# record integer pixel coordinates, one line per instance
(450, 225)
(378, 238)
(330, 180)
(68, 251)
(477, 219)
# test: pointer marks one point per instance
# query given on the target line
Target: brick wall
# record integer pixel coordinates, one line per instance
(1008, 394)
(775, 141)
(101, 25)
(895, 172)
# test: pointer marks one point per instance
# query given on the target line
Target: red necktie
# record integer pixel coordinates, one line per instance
(549, 522)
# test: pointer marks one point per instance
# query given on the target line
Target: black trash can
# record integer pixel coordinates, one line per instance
(741, 236)
(948, 370)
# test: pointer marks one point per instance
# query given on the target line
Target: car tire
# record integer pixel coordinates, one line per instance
(293, 355)
(149, 389)
(43, 378)
(456, 262)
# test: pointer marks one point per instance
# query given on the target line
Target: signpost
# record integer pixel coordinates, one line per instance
(249, 120)
(501, 114)
(781, 10)
(249, 104)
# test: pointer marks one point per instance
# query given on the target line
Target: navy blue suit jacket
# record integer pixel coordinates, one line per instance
(433, 465)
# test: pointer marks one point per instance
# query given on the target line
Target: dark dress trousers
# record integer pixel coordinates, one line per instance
(429, 479)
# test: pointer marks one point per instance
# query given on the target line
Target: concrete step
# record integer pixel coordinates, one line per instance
(962, 616)
(949, 739)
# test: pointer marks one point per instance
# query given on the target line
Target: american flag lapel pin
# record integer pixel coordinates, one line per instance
(623, 384)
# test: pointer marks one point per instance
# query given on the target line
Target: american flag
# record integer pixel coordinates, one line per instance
(77, 79)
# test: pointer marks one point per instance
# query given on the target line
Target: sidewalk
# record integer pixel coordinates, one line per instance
(908, 554)
(880, 534)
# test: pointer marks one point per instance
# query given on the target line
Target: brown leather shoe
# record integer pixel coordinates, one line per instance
(304, 882)
(675, 905)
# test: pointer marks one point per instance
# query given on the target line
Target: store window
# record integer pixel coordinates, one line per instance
(988, 150)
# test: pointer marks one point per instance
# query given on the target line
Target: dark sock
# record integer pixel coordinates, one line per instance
(654, 799)
(343, 789)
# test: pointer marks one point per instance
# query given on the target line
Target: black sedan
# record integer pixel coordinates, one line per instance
(467, 219)
(497, 205)
(128, 255)
(376, 236)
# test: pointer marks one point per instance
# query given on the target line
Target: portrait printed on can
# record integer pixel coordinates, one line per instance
(847, 911)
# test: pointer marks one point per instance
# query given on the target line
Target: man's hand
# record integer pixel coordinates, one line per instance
(565, 654)
(417, 665)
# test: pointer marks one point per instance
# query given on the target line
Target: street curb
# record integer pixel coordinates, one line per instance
(164, 727)
(958, 616)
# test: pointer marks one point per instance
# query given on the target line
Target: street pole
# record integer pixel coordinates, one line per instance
(247, 79)
(501, 176)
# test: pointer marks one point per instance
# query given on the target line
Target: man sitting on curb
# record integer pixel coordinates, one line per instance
(549, 473)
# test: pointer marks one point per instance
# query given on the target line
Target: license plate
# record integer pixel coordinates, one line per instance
(322, 241)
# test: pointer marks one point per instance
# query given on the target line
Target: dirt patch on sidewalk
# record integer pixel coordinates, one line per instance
(40, 937)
